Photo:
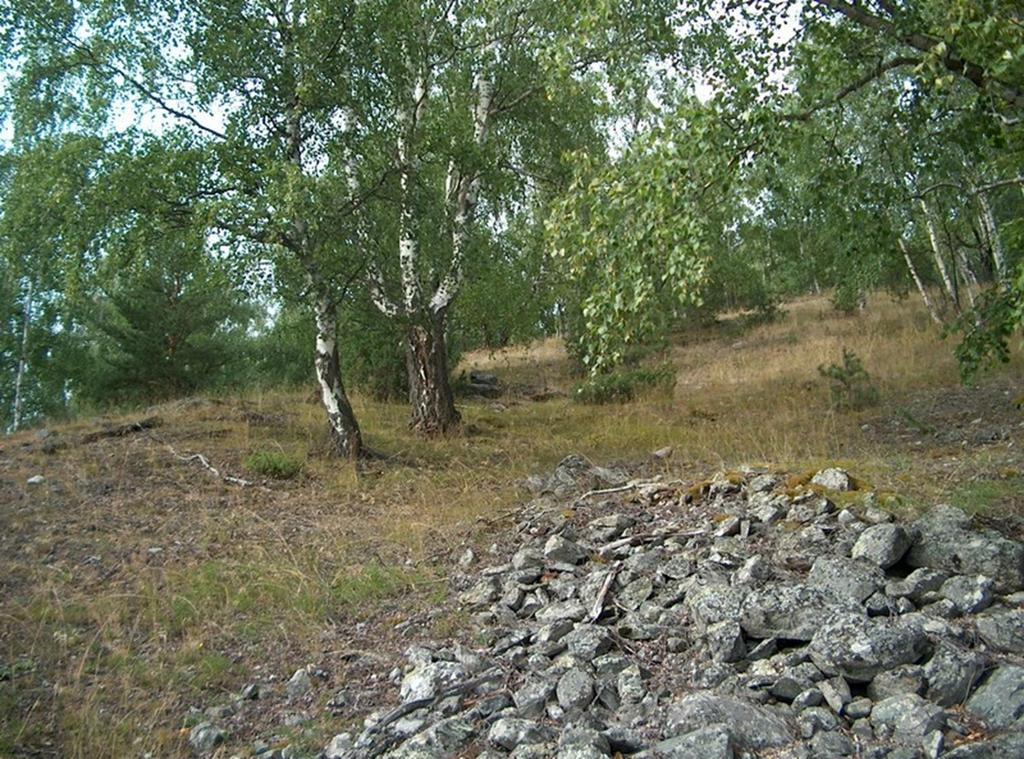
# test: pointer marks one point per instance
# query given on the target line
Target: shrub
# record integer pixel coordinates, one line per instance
(625, 385)
(276, 464)
(852, 387)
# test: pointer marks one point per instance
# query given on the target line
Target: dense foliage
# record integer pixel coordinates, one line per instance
(218, 193)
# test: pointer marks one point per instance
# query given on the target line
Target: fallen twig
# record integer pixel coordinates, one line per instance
(598, 607)
(208, 466)
(647, 537)
(366, 740)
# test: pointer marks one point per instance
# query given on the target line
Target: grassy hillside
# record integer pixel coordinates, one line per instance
(135, 584)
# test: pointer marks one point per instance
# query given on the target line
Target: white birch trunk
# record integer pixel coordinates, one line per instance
(409, 115)
(995, 245)
(940, 262)
(466, 198)
(920, 285)
(19, 377)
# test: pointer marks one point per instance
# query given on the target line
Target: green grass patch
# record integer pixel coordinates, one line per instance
(981, 496)
(275, 464)
(626, 384)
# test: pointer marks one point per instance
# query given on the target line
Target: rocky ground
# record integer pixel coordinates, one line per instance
(748, 616)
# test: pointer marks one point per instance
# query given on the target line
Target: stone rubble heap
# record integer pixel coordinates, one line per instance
(741, 618)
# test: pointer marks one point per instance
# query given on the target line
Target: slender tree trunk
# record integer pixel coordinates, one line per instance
(966, 275)
(992, 241)
(19, 377)
(346, 438)
(940, 262)
(430, 392)
(920, 285)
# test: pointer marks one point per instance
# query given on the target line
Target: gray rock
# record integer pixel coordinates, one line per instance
(560, 611)
(831, 745)
(753, 570)
(582, 743)
(630, 685)
(933, 744)
(426, 680)
(899, 681)
(711, 604)
(444, 738)
(205, 737)
(836, 692)
(968, 593)
(339, 747)
(483, 593)
(532, 697)
(882, 544)
(35, 480)
(299, 685)
(725, 640)
(792, 612)
(852, 579)
(859, 648)
(1002, 629)
(859, 708)
(561, 550)
(510, 732)
(951, 674)
(909, 718)
(833, 479)
(752, 727)
(575, 690)
(919, 586)
(816, 720)
(635, 593)
(810, 697)
(587, 642)
(711, 742)
(944, 542)
(1000, 699)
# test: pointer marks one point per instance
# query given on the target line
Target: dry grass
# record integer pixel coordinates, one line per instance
(134, 586)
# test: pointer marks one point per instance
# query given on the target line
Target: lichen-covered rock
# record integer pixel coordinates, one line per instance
(426, 680)
(752, 727)
(204, 738)
(561, 550)
(793, 612)
(968, 593)
(851, 579)
(833, 479)
(711, 742)
(859, 648)
(882, 545)
(943, 541)
(587, 642)
(1002, 629)
(1000, 699)
(510, 732)
(951, 673)
(575, 690)
(909, 717)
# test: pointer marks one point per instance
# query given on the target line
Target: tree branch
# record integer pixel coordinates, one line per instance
(877, 72)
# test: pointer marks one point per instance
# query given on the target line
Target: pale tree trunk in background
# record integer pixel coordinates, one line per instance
(343, 429)
(940, 262)
(346, 437)
(966, 275)
(920, 285)
(991, 232)
(19, 377)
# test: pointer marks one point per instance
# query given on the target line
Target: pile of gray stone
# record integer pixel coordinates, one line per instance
(740, 618)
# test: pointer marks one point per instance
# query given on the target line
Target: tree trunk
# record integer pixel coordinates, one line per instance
(19, 377)
(940, 262)
(920, 285)
(967, 278)
(346, 438)
(994, 244)
(430, 392)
